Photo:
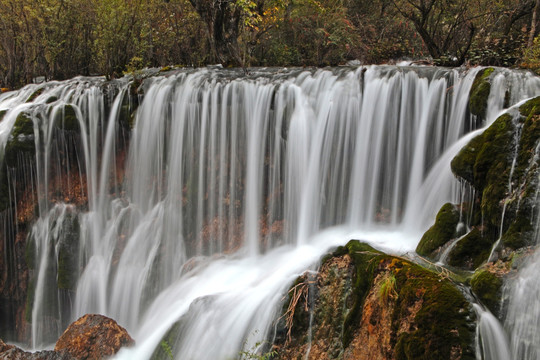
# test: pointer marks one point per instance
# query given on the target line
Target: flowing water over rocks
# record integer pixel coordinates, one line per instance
(190, 203)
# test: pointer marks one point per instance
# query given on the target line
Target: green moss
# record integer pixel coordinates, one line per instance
(67, 119)
(21, 140)
(479, 93)
(471, 251)
(531, 107)
(520, 233)
(463, 163)
(442, 324)
(365, 260)
(2, 114)
(487, 286)
(35, 94)
(51, 99)
(430, 317)
(493, 154)
(441, 232)
(167, 344)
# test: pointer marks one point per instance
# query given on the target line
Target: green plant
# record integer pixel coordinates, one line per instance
(253, 352)
(166, 349)
(388, 288)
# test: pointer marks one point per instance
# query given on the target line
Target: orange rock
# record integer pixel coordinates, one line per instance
(93, 337)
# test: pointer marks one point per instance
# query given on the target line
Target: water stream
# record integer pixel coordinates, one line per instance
(236, 185)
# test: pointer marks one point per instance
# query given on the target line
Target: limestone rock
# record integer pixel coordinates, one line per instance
(93, 337)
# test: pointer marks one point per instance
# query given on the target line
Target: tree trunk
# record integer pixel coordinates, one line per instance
(533, 24)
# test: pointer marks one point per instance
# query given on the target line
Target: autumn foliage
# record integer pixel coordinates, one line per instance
(57, 39)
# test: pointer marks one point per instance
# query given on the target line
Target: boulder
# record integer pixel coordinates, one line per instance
(90, 337)
(10, 352)
(364, 304)
(93, 337)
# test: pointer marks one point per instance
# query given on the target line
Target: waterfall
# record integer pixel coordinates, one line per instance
(228, 187)
(523, 315)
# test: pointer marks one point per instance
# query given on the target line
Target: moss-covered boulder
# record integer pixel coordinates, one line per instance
(463, 164)
(441, 232)
(479, 94)
(501, 164)
(66, 119)
(471, 251)
(368, 305)
(21, 141)
(487, 286)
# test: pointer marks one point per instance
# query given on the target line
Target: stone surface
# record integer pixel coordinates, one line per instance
(363, 304)
(10, 352)
(93, 337)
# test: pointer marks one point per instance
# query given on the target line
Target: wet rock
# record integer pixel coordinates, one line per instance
(21, 140)
(10, 352)
(487, 285)
(363, 304)
(93, 337)
(90, 337)
(480, 92)
(502, 166)
(441, 232)
(471, 251)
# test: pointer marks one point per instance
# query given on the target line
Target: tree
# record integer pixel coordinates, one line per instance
(447, 27)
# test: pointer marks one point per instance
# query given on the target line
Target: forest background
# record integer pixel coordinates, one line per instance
(58, 39)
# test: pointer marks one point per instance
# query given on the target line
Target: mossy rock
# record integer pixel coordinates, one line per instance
(520, 233)
(479, 94)
(429, 316)
(531, 107)
(35, 94)
(441, 232)
(2, 114)
(462, 164)
(51, 99)
(487, 286)
(66, 119)
(21, 140)
(444, 322)
(471, 251)
(486, 154)
(492, 156)
(365, 260)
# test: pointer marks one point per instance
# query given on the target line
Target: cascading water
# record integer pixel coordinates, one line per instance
(523, 314)
(235, 185)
